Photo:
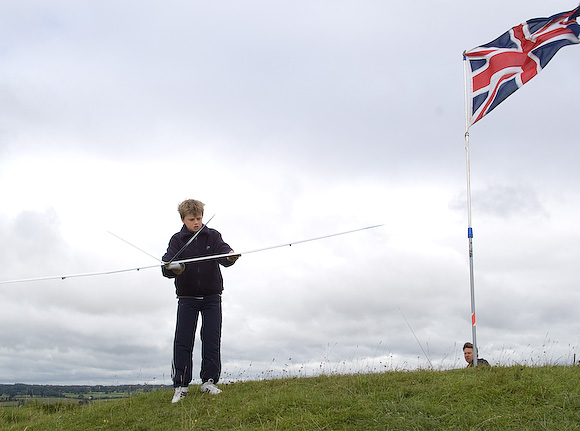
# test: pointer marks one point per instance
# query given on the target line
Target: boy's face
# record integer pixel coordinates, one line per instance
(193, 222)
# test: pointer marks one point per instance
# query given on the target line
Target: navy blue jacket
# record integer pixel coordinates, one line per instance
(199, 278)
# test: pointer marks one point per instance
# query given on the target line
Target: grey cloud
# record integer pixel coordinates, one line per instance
(504, 201)
(289, 121)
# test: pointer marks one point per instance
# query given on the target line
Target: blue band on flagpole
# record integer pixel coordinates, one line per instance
(469, 232)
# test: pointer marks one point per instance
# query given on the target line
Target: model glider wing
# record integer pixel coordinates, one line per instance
(184, 261)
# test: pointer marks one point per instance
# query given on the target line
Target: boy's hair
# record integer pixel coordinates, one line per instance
(468, 345)
(190, 206)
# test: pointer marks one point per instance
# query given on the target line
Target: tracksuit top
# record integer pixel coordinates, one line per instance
(199, 278)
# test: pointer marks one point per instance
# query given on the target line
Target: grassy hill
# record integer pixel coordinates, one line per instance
(498, 398)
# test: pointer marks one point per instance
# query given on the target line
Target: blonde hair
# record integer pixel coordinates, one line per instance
(190, 206)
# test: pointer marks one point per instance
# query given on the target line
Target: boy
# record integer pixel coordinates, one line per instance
(198, 286)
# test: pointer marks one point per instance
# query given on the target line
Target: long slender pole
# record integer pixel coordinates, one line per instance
(134, 246)
(418, 342)
(469, 226)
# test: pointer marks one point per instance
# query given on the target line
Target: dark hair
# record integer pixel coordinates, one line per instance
(468, 345)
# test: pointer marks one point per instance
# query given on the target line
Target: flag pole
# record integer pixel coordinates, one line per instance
(469, 226)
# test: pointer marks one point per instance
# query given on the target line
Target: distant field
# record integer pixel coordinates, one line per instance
(20, 394)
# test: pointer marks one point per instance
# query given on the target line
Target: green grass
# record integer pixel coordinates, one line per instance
(498, 398)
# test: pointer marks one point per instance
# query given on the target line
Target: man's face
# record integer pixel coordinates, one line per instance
(468, 354)
(193, 222)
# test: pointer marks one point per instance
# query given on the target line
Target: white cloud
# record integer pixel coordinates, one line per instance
(290, 122)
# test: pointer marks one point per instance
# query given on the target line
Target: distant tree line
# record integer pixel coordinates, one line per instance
(44, 391)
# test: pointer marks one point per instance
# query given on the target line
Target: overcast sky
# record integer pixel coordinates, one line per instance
(290, 120)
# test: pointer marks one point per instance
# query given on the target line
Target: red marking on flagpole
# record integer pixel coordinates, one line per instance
(473, 319)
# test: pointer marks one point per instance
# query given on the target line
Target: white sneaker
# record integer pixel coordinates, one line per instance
(180, 393)
(209, 388)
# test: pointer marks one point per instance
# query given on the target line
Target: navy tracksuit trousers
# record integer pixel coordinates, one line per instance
(188, 311)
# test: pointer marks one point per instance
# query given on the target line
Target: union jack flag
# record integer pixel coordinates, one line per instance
(499, 68)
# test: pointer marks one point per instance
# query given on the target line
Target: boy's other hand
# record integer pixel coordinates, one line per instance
(234, 257)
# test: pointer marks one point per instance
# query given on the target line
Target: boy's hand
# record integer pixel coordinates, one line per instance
(176, 268)
(234, 257)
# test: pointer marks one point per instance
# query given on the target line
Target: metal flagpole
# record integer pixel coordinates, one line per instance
(469, 226)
